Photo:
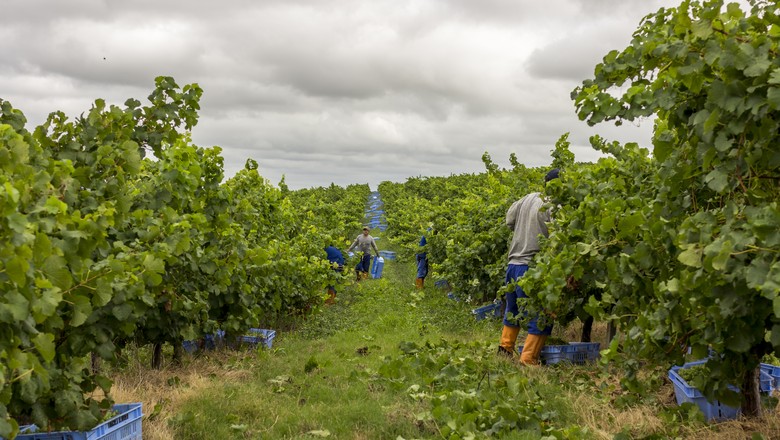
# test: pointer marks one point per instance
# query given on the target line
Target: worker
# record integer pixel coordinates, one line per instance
(364, 242)
(528, 221)
(336, 259)
(422, 263)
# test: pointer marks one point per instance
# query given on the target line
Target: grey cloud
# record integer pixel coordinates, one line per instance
(603, 25)
(344, 91)
(574, 58)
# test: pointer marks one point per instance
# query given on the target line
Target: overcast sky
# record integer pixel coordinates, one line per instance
(342, 91)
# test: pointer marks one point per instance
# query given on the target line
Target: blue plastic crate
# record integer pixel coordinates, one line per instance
(441, 283)
(258, 336)
(208, 342)
(686, 393)
(573, 352)
(387, 255)
(768, 378)
(124, 426)
(190, 346)
(772, 371)
(493, 309)
(211, 342)
(376, 267)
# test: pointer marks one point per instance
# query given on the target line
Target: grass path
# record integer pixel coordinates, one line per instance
(307, 385)
(316, 381)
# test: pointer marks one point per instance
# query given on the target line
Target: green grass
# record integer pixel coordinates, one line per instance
(341, 374)
(314, 380)
(388, 361)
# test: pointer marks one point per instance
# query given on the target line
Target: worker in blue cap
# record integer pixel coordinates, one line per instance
(422, 263)
(336, 259)
(528, 221)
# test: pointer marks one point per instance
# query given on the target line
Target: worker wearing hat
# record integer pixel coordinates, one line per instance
(364, 242)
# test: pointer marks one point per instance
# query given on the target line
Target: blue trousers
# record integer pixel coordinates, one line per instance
(365, 263)
(422, 265)
(513, 273)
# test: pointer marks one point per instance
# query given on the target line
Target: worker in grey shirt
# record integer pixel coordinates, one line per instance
(364, 243)
(528, 221)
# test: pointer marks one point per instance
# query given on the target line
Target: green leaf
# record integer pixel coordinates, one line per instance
(701, 117)
(75, 233)
(629, 225)
(583, 248)
(103, 382)
(673, 285)
(55, 206)
(45, 305)
(774, 77)
(28, 390)
(663, 144)
(722, 142)
(132, 157)
(42, 247)
(702, 29)
(690, 257)
(408, 347)
(773, 96)
(607, 223)
(757, 273)
(154, 264)
(16, 269)
(758, 67)
(775, 338)
(776, 307)
(103, 291)
(44, 343)
(122, 312)
(7, 427)
(17, 222)
(717, 180)
(739, 342)
(17, 305)
(721, 259)
(12, 192)
(82, 308)
(55, 268)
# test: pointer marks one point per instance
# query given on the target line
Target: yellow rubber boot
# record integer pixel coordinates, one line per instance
(331, 296)
(418, 283)
(532, 349)
(508, 340)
